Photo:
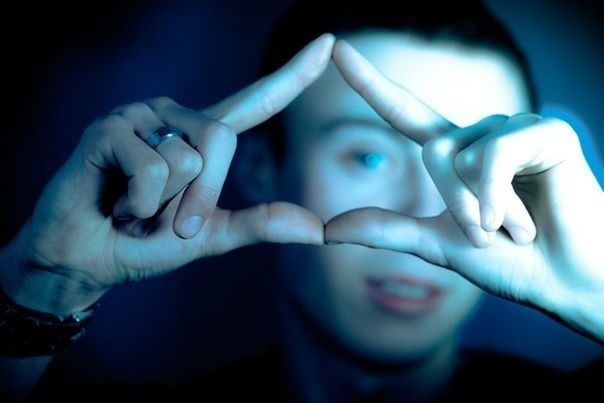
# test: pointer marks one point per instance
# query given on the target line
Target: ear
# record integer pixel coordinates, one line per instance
(255, 168)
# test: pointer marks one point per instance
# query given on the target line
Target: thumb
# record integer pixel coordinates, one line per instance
(386, 229)
(277, 222)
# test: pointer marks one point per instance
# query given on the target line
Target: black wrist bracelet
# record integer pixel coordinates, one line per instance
(26, 333)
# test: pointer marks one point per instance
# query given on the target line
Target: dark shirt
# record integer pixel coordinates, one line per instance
(480, 375)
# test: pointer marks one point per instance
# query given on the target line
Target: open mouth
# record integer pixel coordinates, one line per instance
(404, 295)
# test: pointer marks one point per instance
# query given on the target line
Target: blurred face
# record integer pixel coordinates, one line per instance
(384, 305)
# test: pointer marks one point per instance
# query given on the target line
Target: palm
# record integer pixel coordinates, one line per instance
(504, 268)
(71, 232)
(553, 196)
(81, 238)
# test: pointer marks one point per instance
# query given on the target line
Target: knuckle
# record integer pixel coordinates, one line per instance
(112, 122)
(267, 104)
(570, 142)
(495, 146)
(381, 225)
(366, 86)
(189, 165)
(135, 109)
(466, 161)
(160, 102)
(305, 76)
(134, 275)
(394, 113)
(107, 126)
(157, 170)
(208, 194)
(562, 127)
(458, 209)
(218, 132)
(263, 214)
(437, 149)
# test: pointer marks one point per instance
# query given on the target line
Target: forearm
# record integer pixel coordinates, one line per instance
(39, 291)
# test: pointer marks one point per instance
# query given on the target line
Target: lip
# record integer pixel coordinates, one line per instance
(406, 306)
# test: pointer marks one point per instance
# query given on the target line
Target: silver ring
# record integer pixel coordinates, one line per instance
(162, 134)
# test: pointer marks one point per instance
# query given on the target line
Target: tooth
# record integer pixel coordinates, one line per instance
(404, 290)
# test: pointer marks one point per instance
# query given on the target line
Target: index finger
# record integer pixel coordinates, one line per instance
(269, 95)
(394, 103)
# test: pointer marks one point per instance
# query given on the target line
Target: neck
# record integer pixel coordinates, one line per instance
(320, 369)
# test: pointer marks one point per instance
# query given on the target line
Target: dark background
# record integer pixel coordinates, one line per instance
(64, 65)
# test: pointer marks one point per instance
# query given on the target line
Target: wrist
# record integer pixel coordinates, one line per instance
(44, 290)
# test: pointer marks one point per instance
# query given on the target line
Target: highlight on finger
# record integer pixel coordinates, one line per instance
(386, 229)
(394, 103)
(276, 222)
(271, 94)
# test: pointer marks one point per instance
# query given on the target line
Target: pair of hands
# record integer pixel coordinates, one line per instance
(523, 205)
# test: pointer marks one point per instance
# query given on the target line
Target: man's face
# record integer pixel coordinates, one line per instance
(381, 304)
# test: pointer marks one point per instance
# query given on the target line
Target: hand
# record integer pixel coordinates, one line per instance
(166, 214)
(524, 210)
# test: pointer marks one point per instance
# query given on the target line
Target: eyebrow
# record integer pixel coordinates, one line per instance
(338, 123)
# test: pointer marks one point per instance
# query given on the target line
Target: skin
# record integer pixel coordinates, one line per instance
(530, 173)
(71, 244)
(73, 249)
(70, 252)
(344, 129)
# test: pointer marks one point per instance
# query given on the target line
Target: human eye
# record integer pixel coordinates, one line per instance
(367, 160)
(370, 160)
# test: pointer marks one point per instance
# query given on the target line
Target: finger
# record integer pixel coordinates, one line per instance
(143, 119)
(271, 94)
(385, 229)
(515, 217)
(147, 170)
(216, 143)
(518, 222)
(498, 204)
(439, 156)
(392, 102)
(499, 166)
(189, 121)
(184, 162)
(276, 222)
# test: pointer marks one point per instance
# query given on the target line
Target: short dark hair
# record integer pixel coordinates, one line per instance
(467, 22)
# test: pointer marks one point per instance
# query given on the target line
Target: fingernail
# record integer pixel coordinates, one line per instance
(519, 235)
(478, 236)
(190, 226)
(487, 216)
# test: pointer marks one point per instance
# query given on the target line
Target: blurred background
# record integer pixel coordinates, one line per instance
(67, 64)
